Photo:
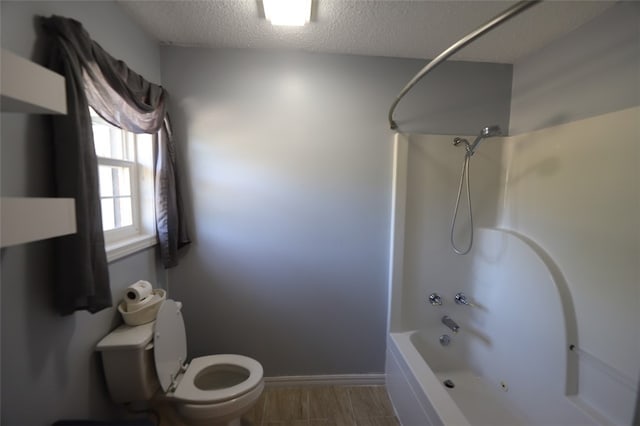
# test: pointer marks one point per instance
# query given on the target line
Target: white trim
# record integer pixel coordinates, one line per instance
(122, 234)
(128, 139)
(396, 240)
(129, 246)
(327, 380)
(138, 150)
(115, 162)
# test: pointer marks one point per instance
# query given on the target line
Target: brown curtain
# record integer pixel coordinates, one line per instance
(125, 99)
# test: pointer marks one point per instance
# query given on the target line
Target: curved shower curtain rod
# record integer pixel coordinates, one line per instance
(488, 26)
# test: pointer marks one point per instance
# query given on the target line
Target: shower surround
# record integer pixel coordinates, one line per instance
(556, 214)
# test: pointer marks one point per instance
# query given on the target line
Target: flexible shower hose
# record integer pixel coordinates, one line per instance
(464, 176)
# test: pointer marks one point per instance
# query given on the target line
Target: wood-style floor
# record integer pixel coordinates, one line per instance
(322, 406)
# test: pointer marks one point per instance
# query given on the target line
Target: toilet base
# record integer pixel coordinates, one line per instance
(229, 413)
(169, 416)
(220, 414)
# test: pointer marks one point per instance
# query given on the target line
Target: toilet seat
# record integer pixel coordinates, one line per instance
(188, 390)
(241, 373)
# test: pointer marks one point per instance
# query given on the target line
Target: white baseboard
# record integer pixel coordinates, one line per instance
(326, 380)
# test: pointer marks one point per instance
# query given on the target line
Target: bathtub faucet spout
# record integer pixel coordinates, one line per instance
(450, 323)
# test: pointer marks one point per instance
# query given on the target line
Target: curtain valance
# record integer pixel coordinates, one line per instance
(125, 99)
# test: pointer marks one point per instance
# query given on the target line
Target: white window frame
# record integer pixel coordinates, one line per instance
(123, 241)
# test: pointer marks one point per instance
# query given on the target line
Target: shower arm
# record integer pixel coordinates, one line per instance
(488, 26)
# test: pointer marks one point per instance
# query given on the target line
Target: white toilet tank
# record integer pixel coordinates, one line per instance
(129, 368)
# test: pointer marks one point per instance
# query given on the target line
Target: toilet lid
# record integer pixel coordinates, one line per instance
(170, 343)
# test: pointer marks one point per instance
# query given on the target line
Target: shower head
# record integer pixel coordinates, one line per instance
(486, 132)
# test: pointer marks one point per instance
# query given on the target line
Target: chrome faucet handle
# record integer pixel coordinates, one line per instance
(435, 299)
(461, 299)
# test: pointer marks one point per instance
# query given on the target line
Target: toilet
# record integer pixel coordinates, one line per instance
(148, 362)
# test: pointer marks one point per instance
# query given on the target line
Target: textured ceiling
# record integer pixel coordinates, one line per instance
(410, 29)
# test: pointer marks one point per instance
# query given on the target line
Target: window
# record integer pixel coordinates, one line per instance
(125, 172)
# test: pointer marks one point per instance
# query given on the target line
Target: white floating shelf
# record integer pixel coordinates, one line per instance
(24, 220)
(30, 88)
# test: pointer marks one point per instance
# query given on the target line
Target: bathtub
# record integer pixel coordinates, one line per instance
(514, 360)
(417, 367)
(517, 358)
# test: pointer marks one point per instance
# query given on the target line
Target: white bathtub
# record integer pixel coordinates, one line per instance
(511, 361)
(417, 366)
(517, 358)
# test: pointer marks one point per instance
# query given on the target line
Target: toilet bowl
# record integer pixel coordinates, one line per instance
(217, 389)
(220, 386)
(148, 362)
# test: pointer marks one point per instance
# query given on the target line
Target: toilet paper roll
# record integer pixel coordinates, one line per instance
(132, 306)
(138, 291)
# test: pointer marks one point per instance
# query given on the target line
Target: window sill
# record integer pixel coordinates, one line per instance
(129, 246)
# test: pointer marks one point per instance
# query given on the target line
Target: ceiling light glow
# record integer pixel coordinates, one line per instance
(292, 13)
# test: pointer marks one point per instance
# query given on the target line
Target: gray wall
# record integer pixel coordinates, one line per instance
(49, 370)
(593, 70)
(287, 165)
